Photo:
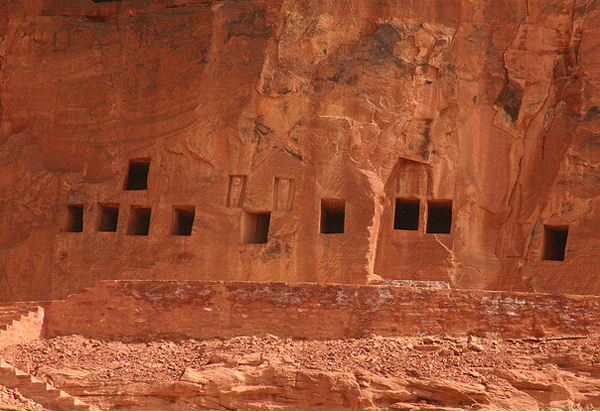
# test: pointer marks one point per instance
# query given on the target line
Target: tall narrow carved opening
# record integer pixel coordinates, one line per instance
(555, 242)
(108, 216)
(333, 215)
(139, 221)
(439, 216)
(74, 218)
(137, 174)
(183, 220)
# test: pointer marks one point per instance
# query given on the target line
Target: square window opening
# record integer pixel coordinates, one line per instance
(555, 242)
(255, 227)
(137, 174)
(108, 216)
(183, 220)
(439, 216)
(139, 221)
(74, 218)
(333, 215)
(406, 215)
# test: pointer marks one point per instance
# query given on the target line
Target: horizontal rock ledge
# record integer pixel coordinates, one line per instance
(149, 310)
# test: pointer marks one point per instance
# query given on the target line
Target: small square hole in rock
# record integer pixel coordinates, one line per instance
(406, 215)
(139, 221)
(439, 216)
(137, 174)
(255, 227)
(108, 216)
(555, 242)
(74, 218)
(183, 220)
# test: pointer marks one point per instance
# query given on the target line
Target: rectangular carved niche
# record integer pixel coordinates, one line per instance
(333, 215)
(139, 221)
(108, 217)
(74, 218)
(411, 179)
(555, 242)
(236, 191)
(137, 174)
(439, 216)
(283, 194)
(183, 220)
(406, 215)
(255, 227)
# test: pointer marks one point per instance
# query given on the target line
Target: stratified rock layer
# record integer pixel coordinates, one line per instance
(150, 310)
(275, 121)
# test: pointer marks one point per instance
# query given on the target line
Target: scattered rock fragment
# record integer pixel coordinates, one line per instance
(475, 345)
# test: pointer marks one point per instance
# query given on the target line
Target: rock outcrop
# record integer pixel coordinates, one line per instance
(20, 323)
(265, 387)
(271, 373)
(173, 310)
(11, 400)
(39, 391)
(282, 140)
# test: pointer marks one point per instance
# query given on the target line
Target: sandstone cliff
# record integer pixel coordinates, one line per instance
(273, 121)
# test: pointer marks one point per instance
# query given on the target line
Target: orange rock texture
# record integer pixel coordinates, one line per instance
(313, 141)
(271, 373)
(151, 310)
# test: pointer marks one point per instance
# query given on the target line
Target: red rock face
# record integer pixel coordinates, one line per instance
(175, 310)
(299, 141)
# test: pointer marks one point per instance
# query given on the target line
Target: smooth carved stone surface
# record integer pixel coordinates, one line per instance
(269, 107)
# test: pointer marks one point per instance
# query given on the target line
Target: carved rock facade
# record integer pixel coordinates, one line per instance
(298, 141)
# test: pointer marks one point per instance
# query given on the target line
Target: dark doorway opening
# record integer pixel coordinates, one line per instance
(183, 220)
(74, 218)
(333, 215)
(439, 216)
(139, 221)
(108, 216)
(406, 215)
(555, 242)
(137, 174)
(255, 227)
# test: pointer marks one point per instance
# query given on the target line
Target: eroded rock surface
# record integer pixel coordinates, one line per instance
(270, 373)
(11, 400)
(265, 123)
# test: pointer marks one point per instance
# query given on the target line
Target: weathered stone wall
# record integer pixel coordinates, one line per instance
(246, 107)
(190, 309)
(20, 324)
